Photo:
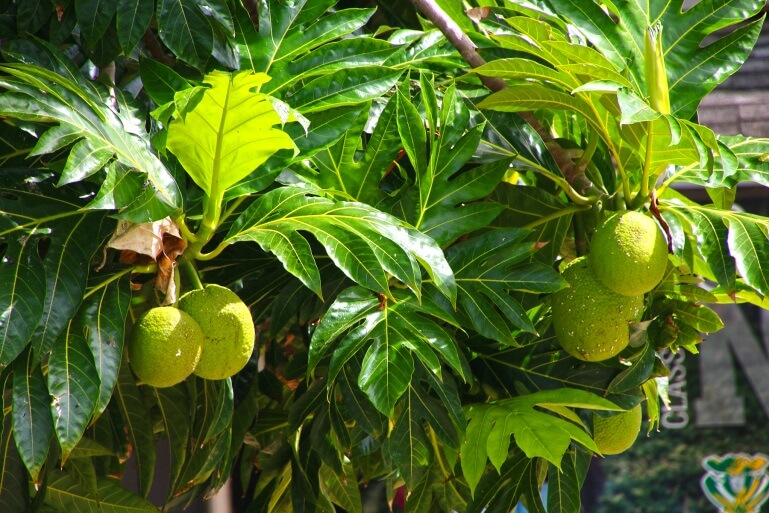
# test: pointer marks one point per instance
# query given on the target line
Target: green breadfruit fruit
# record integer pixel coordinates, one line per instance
(165, 346)
(228, 329)
(629, 253)
(591, 321)
(616, 434)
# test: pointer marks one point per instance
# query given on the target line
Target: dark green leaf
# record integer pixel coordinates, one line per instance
(487, 268)
(104, 310)
(32, 15)
(138, 427)
(74, 106)
(411, 450)
(133, 18)
(93, 17)
(505, 487)
(693, 70)
(14, 485)
(347, 53)
(340, 168)
(65, 494)
(160, 81)
(446, 200)
(261, 46)
(342, 489)
(364, 243)
(173, 405)
(185, 30)
(74, 240)
(22, 279)
(73, 384)
(32, 421)
(564, 484)
(355, 86)
(638, 373)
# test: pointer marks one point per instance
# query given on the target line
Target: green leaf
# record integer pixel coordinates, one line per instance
(22, 281)
(93, 17)
(355, 86)
(367, 245)
(502, 491)
(74, 107)
(229, 131)
(693, 69)
(138, 424)
(32, 421)
(410, 448)
(637, 374)
(544, 214)
(536, 433)
(160, 82)
(280, 33)
(185, 30)
(104, 311)
(385, 375)
(133, 18)
(490, 266)
(73, 384)
(32, 15)
(175, 417)
(342, 489)
(747, 246)
(564, 484)
(446, 201)
(74, 239)
(397, 328)
(344, 54)
(65, 494)
(14, 485)
(357, 177)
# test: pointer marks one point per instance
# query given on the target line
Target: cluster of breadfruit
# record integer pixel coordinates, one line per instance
(628, 257)
(210, 334)
(591, 318)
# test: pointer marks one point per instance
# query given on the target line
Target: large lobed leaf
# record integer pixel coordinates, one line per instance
(693, 67)
(368, 245)
(488, 270)
(536, 433)
(446, 200)
(99, 134)
(395, 333)
(229, 131)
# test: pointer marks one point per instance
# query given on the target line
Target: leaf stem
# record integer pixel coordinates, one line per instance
(139, 269)
(214, 253)
(231, 209)
(185, 231)
(191, 274)
(571, 209)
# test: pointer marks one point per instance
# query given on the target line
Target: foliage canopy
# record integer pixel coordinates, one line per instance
(394, 226)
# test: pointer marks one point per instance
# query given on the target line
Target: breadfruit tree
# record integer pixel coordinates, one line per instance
(454, 233)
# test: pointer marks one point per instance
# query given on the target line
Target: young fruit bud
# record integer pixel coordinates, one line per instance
(656, 77)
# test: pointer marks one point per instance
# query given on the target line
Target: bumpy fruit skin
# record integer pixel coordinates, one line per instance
(629, 253)
(228, 329)
(165, 346)
(616, 434)
(591, 321)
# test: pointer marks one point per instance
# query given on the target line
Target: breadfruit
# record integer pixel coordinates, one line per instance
(229, 331)
(617, 433)
(591, 321)
(165, 346)
(629, 253)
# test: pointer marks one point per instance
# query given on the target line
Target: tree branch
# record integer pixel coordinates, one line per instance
(469, 52)
(153, 46)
